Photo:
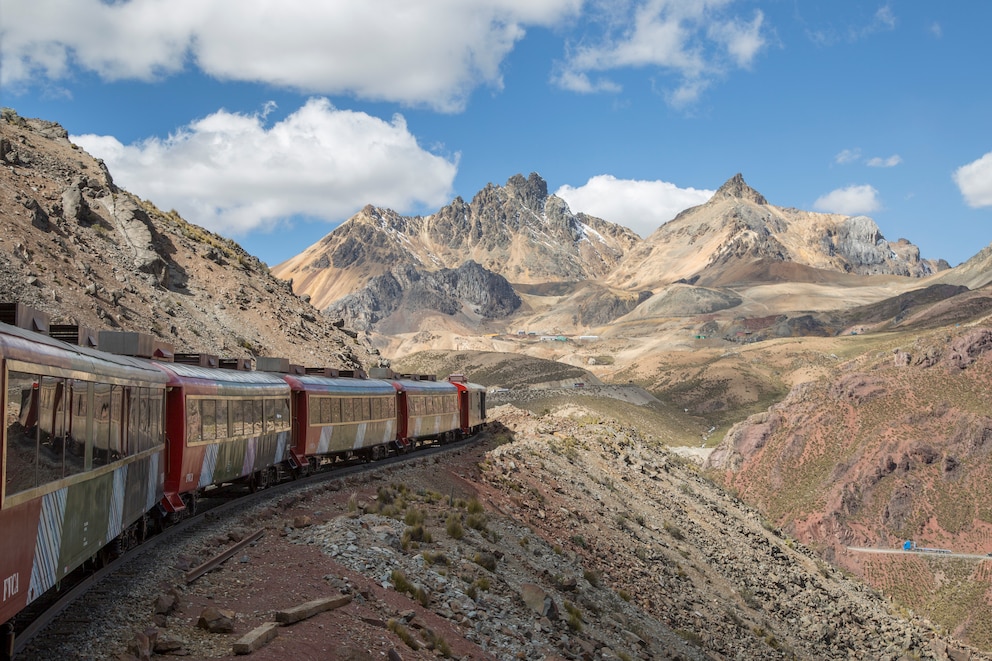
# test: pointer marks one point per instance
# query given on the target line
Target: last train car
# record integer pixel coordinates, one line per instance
(427, 411)
(82, 459)
(223, 426)
(471, 404)
(341, 417)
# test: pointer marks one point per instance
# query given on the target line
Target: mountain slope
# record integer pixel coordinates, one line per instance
(894, 444)
(79, 248)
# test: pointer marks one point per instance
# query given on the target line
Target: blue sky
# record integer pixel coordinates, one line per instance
(272, 122)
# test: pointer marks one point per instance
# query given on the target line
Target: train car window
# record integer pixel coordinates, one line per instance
(208, 412)
(361, 409)
(135, 441)
(21, 465)
(141, 440)
(117, 449)
(223, 423)
(376, 403)
(156, 418)
(391, 406)
(321, 411)
(270, 416)
(347, 410)
(194, 425)
(256, 417)
(282, 414)
(335, 410)
(51, 432)
(81, 426)
(237, 408)
(99, 440)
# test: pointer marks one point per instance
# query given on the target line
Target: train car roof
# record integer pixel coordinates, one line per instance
(467, 385)
(343, 385)
(436, 387)
(210, 380)
(28, 346)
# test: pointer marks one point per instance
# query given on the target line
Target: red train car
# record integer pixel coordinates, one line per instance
(222, 426)
(471, 404)
(426, 410)
(341, 417)
(82, 459)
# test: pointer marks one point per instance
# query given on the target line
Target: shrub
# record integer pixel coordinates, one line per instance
(454, 527)
(574, 617)
(403, 633)
(485, 560)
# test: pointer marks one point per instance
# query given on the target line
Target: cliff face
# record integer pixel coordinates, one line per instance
(409, 290)
(79, 248)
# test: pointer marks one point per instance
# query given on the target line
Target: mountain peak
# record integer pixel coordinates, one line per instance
(737, 188)
(532, 192)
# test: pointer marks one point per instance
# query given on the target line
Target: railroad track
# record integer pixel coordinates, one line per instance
(225, 503)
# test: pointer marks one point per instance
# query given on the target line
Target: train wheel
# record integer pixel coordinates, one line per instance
(7, 642)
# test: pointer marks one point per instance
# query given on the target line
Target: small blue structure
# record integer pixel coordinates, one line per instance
(908, 545)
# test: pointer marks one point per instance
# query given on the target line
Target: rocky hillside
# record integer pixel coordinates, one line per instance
(86, 252)
(893, 444)
(563, 535)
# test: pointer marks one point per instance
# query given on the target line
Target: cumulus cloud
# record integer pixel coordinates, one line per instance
(890, 162)
(643, 206)
(974, 180)
(426, 53)
(850, 201)
(695, 40)
(233, 174)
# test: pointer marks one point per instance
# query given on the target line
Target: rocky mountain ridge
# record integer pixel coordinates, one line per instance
(516, 231)
(533, 241)
(82, 250)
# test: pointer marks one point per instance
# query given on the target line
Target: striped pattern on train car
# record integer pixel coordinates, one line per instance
(341, 416)
(471, 404)
(223, 426)
(82, 459)
(426, 410)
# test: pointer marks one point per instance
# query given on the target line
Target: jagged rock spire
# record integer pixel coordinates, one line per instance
(736, 188)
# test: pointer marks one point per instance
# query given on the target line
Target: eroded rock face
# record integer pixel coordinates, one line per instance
(447, 291)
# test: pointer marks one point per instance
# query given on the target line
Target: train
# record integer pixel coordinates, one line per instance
(101, 448)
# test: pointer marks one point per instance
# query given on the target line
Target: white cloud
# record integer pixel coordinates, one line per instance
(232, 174)
(742, 40)
(847, 156)
(850, 201)
(643, 206)
(696, 40)
(890, 162)
(430, 52)
(974, 180)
